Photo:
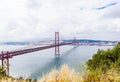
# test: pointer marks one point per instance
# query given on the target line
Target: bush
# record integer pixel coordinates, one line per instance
(104, 60)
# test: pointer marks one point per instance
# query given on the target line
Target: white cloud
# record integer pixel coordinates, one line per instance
(113, 12)
(38, 19)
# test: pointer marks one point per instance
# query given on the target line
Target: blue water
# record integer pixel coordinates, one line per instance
(33, 65)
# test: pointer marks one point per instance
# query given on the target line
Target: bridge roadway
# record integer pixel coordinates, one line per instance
(24, 51)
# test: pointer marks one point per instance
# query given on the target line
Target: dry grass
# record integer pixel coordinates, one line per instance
(65, 74)
(112, 75)
(9, 80)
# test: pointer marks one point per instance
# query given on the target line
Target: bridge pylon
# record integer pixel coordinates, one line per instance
(57, 50)
(75, 42)
(5, 63)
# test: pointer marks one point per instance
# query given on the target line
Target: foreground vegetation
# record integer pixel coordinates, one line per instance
(103, 67)
(65, 74)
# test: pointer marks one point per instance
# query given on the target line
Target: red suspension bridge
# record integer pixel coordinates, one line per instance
(5, 56)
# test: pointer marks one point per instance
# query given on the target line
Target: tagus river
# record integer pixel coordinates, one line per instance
(34, 64)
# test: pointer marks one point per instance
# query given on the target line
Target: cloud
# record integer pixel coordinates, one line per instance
(113, 12)
(39, 19)
(109, 5)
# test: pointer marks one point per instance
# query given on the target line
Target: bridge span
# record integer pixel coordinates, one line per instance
(5, 56)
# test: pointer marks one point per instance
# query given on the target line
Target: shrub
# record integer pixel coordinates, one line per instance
(104, 60)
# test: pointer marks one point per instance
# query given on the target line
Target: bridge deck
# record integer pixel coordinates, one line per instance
(24, 51)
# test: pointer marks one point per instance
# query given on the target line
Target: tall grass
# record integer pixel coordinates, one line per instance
(112, 75)
(66, 74)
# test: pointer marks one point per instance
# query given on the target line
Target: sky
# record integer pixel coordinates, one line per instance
(26, 20)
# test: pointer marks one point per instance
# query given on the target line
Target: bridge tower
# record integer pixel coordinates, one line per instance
(75, 41)
(57, 50)
(5, 63)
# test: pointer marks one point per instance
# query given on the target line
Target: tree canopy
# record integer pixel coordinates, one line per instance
(105, 59)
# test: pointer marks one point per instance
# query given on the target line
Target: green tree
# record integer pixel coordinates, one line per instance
(104, 59)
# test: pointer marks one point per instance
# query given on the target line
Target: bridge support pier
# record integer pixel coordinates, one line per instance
(5, 63)
(57, 50)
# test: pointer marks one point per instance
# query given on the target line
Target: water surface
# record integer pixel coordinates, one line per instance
(34, 64)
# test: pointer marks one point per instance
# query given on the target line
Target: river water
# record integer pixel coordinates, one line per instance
(34, 64)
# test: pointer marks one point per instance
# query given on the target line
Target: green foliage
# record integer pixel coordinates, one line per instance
(0, 70)
(104, 60)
